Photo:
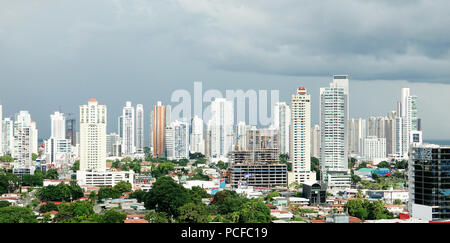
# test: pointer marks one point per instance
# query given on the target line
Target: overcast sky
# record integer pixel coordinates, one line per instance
(58, 54)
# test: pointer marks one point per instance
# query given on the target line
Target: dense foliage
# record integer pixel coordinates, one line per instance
(60, 192)
(366, 210)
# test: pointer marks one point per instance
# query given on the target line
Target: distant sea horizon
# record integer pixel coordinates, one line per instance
(438, 141)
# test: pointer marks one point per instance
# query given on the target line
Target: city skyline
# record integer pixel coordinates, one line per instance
(103, 45)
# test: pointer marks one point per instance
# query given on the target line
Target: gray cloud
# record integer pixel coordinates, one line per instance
(59, 53)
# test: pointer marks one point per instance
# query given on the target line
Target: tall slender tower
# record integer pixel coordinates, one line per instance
(409, 119)
(58, 125)
(23, 142)
(281, 121)
(128, 139)
(197, 143)
(334, 113)
(300, 153)
(158, 130)
(93, 137)
(222, 120)
(71, 132)
(140, 129)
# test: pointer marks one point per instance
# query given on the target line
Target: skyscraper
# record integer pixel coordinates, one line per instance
(222, 121)
(241, 135)
(93, 120)
(300, 144)
(8, 136)
(409, 118)
(57, 147)
(356, 132)
(334, 110)
(71, 131)
(128, 132)
(177, 140)
(158, 129)
(140, 129)
(58, 125)
(281, 121)
(197, 143)
(23, 142)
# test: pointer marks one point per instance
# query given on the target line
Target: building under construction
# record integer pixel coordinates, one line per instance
(254, 156)
(267, 175)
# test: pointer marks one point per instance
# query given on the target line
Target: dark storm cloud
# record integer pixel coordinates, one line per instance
(59, 53)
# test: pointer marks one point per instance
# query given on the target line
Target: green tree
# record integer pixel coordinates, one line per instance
(138, 194)
(13, 214)
(34, 156)
(355, 179)
(51, 174)
(194, 213)
(76, 212)
(156, 217)
(166, 196)
(108, 192)
(254, 211)
(113, 216)
(8, 182)
(76, 166)
(383, 164)
(123, 186)
(32, 180)
(4, 204)
(6, 158)
(228, 202)
(397, 202)
(315, 166)
(47, 207)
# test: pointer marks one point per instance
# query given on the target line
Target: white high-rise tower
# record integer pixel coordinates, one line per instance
(334, 113)
(281, 122)
(93, 137)
(128, 139)
(222, 120)
(139, 129)
(58, 125)
(197, 143)
(300, 153)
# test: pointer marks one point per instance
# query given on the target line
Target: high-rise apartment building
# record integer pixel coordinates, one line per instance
(300, 141)
(128, 132)
(356, 132)
(373, 148)
(8, 136)
(23, 142)
(281, 122)
(334, 110)
(113, 145)
(197, 143)
(140, 139)
(57, 147)
(222, 120)
(409, 118)
(58, 125)
(158, 129)
(93, 120)
(177, 140)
